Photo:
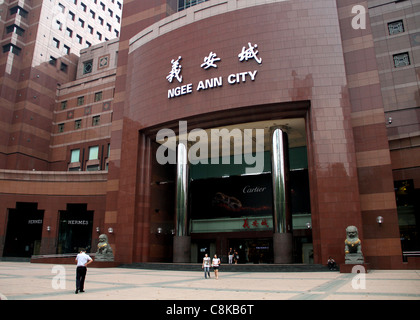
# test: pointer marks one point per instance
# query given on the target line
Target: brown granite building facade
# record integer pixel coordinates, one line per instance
(308, 88)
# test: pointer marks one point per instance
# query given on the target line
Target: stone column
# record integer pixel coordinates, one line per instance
(282, 237)
(182, 241)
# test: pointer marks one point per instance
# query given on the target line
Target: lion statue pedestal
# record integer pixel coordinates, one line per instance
(104, 252)
(353, 247)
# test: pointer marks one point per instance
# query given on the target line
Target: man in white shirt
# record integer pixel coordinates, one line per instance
(82, 260)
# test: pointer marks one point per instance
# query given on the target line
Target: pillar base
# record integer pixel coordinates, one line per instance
(182, 249)
(283, 248)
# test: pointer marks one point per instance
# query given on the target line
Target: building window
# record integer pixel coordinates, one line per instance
(94, 153)
(66, 49)
(75, 155)
(401, 60)
(69, 32)
(62, 7)
(79, 39)
(61, 127)
(81, 23)
(395, 27)
(63, 67)
(87, 66)
(59, 25)
(19, 10)
(56, 43)
(53, 61)
(99, 35)
(16, 29)
(92, 14)
(90, 28)
(96, 120)
(102, 6)
(71, 16)
(11, 48)
(184, 4)
(98, 96)
(63, 105)
(77, 124)
(84, 8)
(80, 100)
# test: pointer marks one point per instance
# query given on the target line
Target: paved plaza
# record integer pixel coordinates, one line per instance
(26, 281)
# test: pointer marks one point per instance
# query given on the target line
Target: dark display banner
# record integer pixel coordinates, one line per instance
(235, 197)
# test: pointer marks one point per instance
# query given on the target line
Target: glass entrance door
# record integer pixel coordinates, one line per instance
(252, 250)
(24, 230)
(75, 230)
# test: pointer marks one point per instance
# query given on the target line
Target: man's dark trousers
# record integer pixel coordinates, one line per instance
(80, 278)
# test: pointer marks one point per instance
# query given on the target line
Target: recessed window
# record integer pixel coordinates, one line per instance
(401, 60)
(71, 16)
(94, 153)
(61, 127)
(87, 66)
(16, 29)
(63, 67)
(69, 32)
(66, 49)
(96, 120)
(19, 10)
(98, 96)
(395, 27)
(10, 47)
(63, 105)
(53, 61)
(80, 100)
(58, 25)
(75, 155)
(78, 124)
(56, 43)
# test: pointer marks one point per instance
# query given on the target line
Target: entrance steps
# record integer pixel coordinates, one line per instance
(230, 267)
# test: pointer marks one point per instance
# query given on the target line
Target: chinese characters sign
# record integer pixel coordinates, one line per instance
(255, 223)
(248, 53)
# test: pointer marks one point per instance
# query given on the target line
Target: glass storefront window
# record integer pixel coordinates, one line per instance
(407, 207)
(75, 229)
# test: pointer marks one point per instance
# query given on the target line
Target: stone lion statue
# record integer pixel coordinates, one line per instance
(353, 246)
(104, 252)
